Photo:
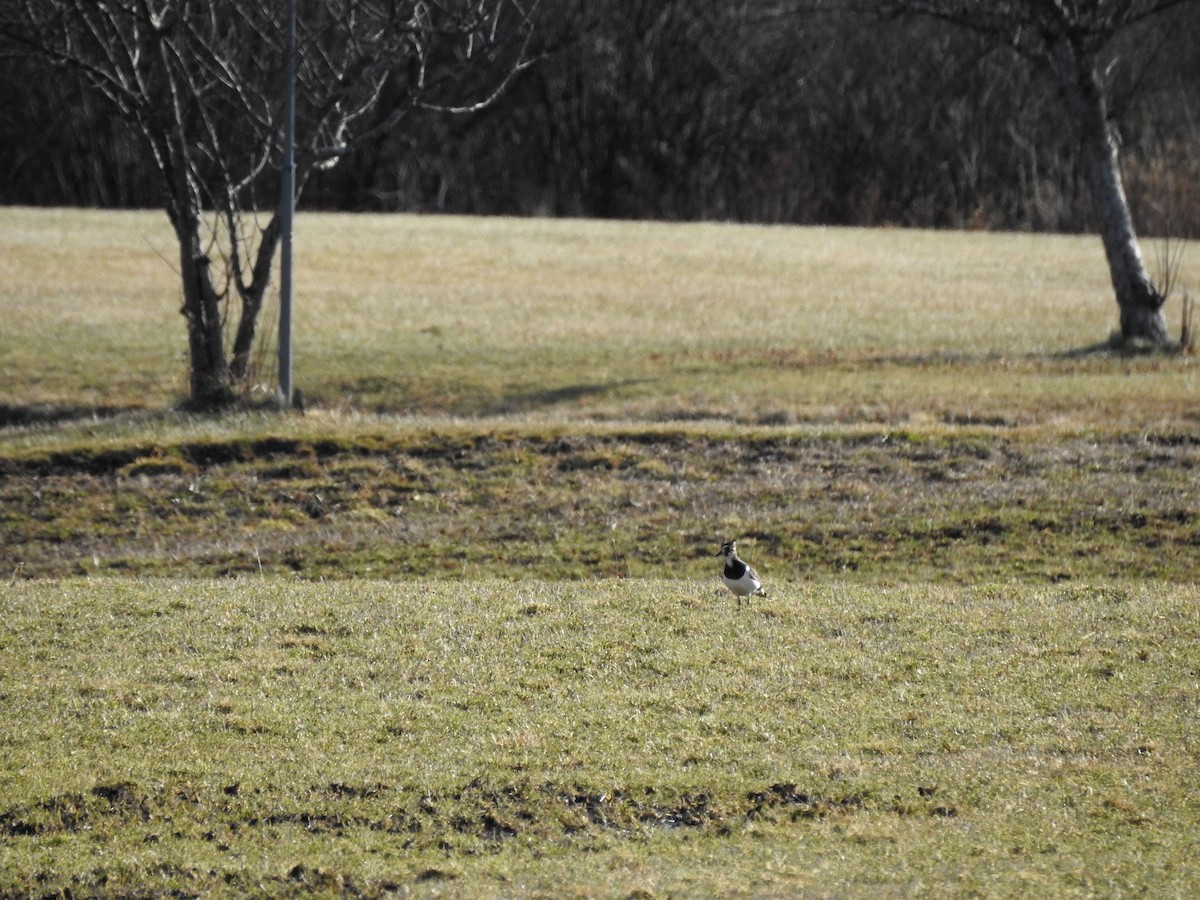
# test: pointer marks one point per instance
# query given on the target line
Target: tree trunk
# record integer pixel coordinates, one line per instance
(1139, 300)
(210, 385)
(252, 300)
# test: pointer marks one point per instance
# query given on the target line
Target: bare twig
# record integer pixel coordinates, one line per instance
(1170, 257)
(1187, 338)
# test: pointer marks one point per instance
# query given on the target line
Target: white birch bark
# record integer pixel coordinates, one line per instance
(1138, 298)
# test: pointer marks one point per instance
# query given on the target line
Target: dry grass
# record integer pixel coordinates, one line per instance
(604, 320)
(885, 364)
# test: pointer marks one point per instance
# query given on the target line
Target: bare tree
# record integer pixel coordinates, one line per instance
(1068, 38)
(201, 83)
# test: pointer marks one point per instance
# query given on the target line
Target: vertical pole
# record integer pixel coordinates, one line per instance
(287, 211)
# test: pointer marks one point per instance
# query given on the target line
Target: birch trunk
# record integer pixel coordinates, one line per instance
(1138, 299)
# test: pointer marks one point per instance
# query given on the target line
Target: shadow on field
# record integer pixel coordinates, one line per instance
(517, 403)
(18, 416)
(1118, 348)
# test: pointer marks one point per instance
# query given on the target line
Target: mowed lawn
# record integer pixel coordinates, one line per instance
(977, 671)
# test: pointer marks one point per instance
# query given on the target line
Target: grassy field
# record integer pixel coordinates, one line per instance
(571, 399)
(584, 320)
(456, 631)
(621, 737)
(572, 502)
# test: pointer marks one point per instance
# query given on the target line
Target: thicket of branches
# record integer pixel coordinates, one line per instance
(688, 109)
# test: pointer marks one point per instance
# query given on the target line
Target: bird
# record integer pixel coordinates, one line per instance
(739, 576)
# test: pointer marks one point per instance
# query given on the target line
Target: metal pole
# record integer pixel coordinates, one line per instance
(287, 212)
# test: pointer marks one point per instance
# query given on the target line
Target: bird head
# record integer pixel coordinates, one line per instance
(727, 549)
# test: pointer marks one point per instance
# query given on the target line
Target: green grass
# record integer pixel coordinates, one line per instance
(464, 501)
(598, 738)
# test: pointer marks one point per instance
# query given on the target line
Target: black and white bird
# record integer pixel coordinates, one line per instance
(739, 576)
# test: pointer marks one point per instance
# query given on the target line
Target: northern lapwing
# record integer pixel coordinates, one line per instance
(738, 575)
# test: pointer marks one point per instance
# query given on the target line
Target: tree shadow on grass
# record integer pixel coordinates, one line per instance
(534, 400)
(387, 395)
(1111, 348)
(1120, 348)
(15, 415)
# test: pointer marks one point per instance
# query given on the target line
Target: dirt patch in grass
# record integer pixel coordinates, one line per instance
(476, 821)
(894, 506)
(476, 810)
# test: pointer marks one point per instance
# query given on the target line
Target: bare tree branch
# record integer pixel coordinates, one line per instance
(1067, 37)
(202, 84)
